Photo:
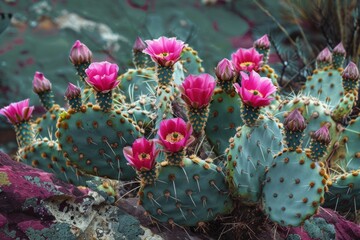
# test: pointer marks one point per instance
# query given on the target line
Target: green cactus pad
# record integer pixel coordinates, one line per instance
(165, 96)
(294, 188)
(224, 118)
(251, 152)
(141, 60)
(326, 85)
(267, 71)
(187, 195)
(316, 114)
(93, 141)
(136, 82)
(47, 99)
(24, 133)
(191, 61)
(343, 194)
(45, 126)
(46, 155)
(344, 107)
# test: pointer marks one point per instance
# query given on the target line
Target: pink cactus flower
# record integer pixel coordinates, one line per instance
(102, 76)
(197, 90)
(80, 53)
(246, 59)
(17, 112)
(263, 42)
(225, 70)
(324, 56)
(72, 91)
(255, 90)
(175, 134)
(41, 83)
(322, 135)
(351, 72)
(142, 154)
(164, 51)
(294, 121)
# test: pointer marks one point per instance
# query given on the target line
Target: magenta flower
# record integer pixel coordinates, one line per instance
(322, 135)
(255, 90)
(225, 70)
(80, 53)
(246, 59)
(142, 154)
(175, 134)
(102, 76)
(17, 112)
(41, 83)
(72, 91)
(164, 51)
(197, 90)
(262, 42)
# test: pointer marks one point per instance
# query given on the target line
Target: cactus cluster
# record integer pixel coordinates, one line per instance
(239, 141)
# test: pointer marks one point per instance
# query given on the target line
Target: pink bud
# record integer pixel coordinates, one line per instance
(351, 72)
(262, 42)
(41, 83)
(255, 90)
(295, 122)
(80, 53)
(72, 91)
(164, 51)
(339, 49)
(175, 134)
(17, 112)
(139, 45)
(142, 154)
(324, 56)
(322, 135)
(225, 70)
(102, 76)
(197, 90)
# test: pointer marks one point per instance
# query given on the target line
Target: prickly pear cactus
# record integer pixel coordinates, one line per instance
(45, 126)
(93, 140)
(191, 61)
(294, 188)
(187, 195)
(251, 152)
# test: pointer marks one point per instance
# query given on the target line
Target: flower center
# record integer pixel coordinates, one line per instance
(144, 156)
(247, 64)
(174, 137)
(256, 92)
(164, 54)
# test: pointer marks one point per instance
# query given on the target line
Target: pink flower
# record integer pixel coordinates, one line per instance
(322, 135)
(351, 72)
(262, 42)
(175, 134)
(142, 154)
(102, 76)
(255, 90)
(246, 59)
(164, 51)
(40, 83)
(72, 91)
(295, 122)
(80, 53)
(197, 90)
(339, 49)
(17, 112)
(225, 70)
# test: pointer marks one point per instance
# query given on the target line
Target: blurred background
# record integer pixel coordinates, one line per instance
(36, 35)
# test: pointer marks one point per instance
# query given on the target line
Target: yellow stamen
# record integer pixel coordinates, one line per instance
(174, 137)
(144, 156)
(164, 54)
(246, 64)
(256, 92)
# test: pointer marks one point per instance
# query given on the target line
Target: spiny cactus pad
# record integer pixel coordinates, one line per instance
(188, 195)
(343, 194)
(45, 126)
(294, 188)
(93, 140)
(191, 61)
(224, 118)
(251, 152)
(46, 155)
